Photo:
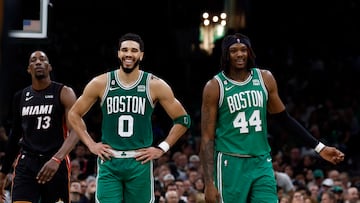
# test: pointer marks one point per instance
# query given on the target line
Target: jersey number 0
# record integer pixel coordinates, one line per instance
(126, 126)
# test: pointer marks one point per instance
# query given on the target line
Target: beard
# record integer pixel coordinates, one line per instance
(129, 69)
(40, 76)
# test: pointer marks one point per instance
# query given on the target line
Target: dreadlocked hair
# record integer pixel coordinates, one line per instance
(230, 40)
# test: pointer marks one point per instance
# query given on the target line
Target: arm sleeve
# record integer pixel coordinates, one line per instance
(12, 146)
(295, 127)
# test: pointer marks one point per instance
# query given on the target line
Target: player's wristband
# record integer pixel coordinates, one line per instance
(164, 146)
(319, 147)
(56, 160)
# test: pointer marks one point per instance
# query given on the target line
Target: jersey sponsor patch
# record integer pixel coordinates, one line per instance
(256, 82)
(141, 88)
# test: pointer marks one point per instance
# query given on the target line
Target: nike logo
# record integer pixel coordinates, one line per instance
(28, 98)
(268, 159)
(229, 88)
(113, 88)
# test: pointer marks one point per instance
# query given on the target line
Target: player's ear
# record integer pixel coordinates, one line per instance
(50, 67)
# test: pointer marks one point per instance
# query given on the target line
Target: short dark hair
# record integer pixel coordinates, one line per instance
(132, 37)
(230, 40)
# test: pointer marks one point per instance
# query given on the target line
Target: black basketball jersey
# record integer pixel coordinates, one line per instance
(42, 119)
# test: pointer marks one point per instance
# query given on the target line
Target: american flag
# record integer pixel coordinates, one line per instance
(32, 25)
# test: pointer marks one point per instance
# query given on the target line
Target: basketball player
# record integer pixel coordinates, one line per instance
(234, 128)
(128, 97)
(39, 123)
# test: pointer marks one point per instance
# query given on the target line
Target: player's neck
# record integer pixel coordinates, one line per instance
(239, 75)
(40, 84)
(128, 78)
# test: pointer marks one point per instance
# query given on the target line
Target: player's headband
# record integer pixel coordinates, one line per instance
(235, 39)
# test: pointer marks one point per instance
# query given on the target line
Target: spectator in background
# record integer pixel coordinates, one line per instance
(199, 185)
(192, 197)
(345, 179)
(328, 197)
(89, 194)
(75, 172)
(283, 181)
(172, 197)
(86, 160)
(326, 185)
(284, 198)
(289, 171)
(308, 162)
(168, 179)
(180, 161)
(339, 193)
(188, 187)
(159, 173)
(296, 160)
(333, 174)
(314, 191)
(297, 197)
(194, 162)
(193, 174)
(3, 141)
(352, 195)
(318, 177)
(76, 195)
(181, 190)
(83, 186)
(173, 187)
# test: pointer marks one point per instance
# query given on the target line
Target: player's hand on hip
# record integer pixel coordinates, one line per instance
(101, 150)
(147, 154)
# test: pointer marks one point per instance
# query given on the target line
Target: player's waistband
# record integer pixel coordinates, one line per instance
(238, 155)
(33, 154)
(123, 154)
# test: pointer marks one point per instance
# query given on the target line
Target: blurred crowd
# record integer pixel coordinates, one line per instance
(302, 176)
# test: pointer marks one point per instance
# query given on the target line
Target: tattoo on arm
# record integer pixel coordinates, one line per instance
(207, 159)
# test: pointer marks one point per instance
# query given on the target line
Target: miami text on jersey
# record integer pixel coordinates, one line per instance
(37, 110)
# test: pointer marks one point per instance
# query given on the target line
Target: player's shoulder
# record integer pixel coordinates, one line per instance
(158, 84)
(262, 70)
(56, 83)
(101, 78)
(155, 79)
(265, 73)
(215, 79)
(18, 93)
